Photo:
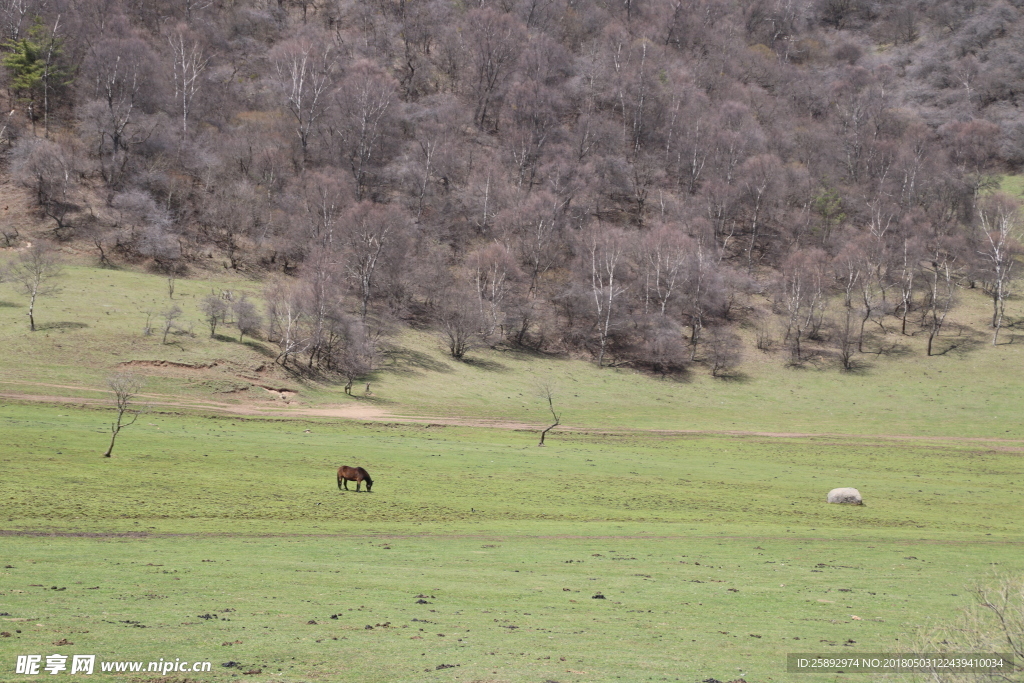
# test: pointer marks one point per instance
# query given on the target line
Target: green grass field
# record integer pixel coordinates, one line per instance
(691, 507)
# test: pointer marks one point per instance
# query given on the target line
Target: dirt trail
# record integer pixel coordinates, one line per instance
(369, 413)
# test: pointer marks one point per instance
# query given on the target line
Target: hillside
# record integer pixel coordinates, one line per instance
(660, 186)
(95, 327)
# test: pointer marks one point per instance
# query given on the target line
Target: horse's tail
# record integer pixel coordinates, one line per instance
(339, 478)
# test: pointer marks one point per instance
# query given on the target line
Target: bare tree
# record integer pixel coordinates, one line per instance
(119, 71)
(247, 318)
(724, 350)
(941, 288)
(994, 622)
(189, 63)
(548, 393)
(362, 125)
(663, 253)
(460, 320)
(493, 270)
(286, 319)
(605, 254)
(215, 308)
(801, 295)
(844, 337)
(50, 170)
(353, 351)
(370, 230)
(170, 317)
(998, 250)
(126, 387)
(306, 70)
(34, 270)
(494, 41)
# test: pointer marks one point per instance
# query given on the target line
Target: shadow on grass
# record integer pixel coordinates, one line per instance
(733, 376)
(855, 366)
(10, 304)
(958, 346)
(61, 326)
(489, 365)
(526, 352)
(679, 375)
(405, 360)
(258, 347)
(816, 362)
(894, 350)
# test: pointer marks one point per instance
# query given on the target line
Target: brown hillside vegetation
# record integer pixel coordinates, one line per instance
(634, 181)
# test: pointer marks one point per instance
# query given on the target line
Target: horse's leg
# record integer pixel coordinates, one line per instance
(345, 481)
(359, 482)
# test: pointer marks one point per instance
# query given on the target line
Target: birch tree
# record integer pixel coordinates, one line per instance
(998, 221)
(189, 63)
(306, 69)
(605, 252)
(34, 270)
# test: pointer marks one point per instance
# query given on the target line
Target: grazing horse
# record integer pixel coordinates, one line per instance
(356, 474)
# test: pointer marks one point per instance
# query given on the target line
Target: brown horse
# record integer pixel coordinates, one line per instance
(356, 474)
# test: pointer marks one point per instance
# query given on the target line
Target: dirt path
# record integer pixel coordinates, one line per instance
(369, 413)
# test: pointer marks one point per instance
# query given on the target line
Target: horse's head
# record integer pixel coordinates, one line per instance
(369, 483)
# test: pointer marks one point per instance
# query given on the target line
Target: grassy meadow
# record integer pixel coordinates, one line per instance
(671, 530)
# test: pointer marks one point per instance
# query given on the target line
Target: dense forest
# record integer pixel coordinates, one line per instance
(630, 180)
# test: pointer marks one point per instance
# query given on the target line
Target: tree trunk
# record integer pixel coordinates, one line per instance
(31, 312)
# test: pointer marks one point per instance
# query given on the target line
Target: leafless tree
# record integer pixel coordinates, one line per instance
(353, 351)
(993, 622)
(138, 216)
(493, 272)
(247, 317)
(547, 392)
(862, 270)
(323, 200)
(369, 231)
(189, 64)
(761, 185)
(306, 69)
(663, 253)
(703, 291)
(659, 344)
(215, 308)
(51, 170)
(998, 249)
(494, 41)
(604, 252)
(286, 318)
(844, 337)
(800, 295)
(531, 226)
(10, 233)
(941, 275)
(170, 320)
(362, 125)
(126, 387)
(724, 351)
(34, 270)
(458, 315)
(119, 77)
